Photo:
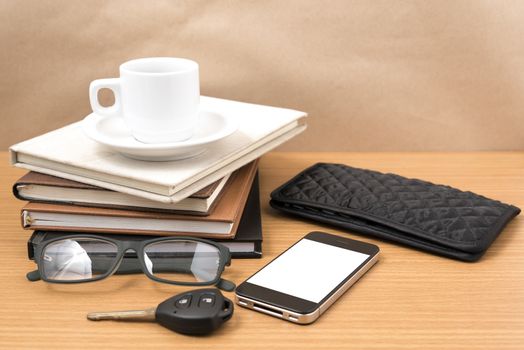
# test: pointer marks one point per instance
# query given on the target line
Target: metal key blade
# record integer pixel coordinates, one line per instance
(131, 315)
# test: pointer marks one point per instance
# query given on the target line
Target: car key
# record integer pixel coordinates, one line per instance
(199, 311)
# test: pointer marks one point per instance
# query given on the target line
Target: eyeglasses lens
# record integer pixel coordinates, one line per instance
(182, 261)
(78, 259)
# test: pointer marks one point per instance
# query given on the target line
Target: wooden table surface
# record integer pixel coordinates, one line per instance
(409, 300)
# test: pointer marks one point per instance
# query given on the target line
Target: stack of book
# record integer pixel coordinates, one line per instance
(227, 211)
(75, 185)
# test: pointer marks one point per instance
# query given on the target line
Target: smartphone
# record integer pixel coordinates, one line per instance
(304, 281)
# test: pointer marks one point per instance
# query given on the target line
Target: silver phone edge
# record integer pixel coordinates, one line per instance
(294, 317)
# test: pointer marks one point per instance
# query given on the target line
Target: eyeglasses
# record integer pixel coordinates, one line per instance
(88, 258)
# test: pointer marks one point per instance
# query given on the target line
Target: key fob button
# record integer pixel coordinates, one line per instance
(183, 303)
(206, 300)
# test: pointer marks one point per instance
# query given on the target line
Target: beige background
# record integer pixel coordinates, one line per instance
(374, 75)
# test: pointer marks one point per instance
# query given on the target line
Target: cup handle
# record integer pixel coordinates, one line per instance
(114, 85)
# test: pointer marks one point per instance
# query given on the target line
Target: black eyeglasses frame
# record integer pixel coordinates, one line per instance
(138, 246)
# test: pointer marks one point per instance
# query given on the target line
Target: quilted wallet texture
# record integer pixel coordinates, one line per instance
(435, 218)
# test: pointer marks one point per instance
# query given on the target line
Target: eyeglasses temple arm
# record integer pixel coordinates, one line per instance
(33, 276)
(226, 285)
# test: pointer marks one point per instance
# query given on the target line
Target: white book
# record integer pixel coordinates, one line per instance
(68, 153)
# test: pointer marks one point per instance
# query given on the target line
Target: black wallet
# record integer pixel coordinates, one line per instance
(435, 218)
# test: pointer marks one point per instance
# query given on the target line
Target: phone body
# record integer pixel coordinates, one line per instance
(300, 284)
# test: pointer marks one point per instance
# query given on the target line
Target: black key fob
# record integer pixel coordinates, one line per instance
(199, 311)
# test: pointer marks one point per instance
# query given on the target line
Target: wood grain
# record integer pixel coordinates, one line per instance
(409, 300)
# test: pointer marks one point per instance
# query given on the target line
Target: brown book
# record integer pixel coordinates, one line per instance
(222, 223)
(38, 187)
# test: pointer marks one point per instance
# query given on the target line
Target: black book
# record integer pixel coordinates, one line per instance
(246, 244)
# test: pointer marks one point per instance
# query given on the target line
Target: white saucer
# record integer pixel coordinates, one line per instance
(113, 132)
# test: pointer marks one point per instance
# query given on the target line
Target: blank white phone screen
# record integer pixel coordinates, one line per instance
(309, 270)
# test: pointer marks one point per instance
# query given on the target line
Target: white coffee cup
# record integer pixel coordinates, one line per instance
(158, 98)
